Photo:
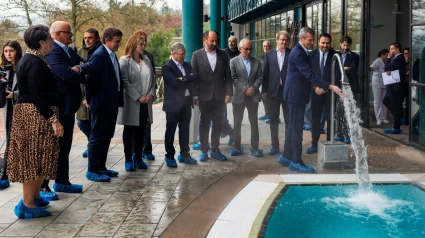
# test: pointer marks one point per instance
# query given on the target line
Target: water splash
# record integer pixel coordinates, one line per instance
(357, 141)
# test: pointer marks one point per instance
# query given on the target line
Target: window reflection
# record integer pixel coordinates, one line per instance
(417, 122)
(353, 23)
(418, 11)
(418, 54)
(335, 22)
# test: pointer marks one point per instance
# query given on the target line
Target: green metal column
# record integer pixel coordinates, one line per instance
(224, 31)
(192, 39)
(192, 26)
(215, 14)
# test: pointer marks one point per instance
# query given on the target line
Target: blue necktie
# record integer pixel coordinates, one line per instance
(115, 63)
(65, 48)
(322, 64)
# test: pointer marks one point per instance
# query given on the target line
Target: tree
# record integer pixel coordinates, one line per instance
(159, 46)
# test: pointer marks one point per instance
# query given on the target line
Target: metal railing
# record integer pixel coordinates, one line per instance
(336, 58)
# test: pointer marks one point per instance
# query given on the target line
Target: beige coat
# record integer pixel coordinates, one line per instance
(134, 88)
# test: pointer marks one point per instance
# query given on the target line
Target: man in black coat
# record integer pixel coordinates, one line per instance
(321, 62)
(392, 100)
(178, 101)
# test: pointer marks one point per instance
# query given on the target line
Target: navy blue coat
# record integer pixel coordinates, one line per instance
(102, 86)
(396, 63)
(352, 61)
(272, 74)
(68, 81)
(315, 63)
(175, 89)
(300, 77)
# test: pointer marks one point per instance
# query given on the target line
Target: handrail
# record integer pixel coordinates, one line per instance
(336, 58)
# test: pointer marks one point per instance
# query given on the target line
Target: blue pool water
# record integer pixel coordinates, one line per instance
(343, 211)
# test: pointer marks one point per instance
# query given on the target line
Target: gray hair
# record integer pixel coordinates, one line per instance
(177, 46)
(284, 33)
(242, 43)
(304, 31)
(267, 41)
(233, 38)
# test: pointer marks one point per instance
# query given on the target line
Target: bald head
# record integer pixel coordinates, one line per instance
(61, 31)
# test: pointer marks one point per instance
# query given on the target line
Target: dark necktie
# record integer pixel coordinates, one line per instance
(322, 64)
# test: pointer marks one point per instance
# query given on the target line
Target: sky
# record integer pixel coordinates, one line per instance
(175, 4)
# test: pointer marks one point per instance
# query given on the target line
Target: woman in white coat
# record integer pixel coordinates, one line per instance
(378, 87)
(11, 54)
(139, 93)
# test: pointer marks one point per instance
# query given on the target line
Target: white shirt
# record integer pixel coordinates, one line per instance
(212, 58)
(115, 64)
(378, 67)
(180, 66)
(280, 60)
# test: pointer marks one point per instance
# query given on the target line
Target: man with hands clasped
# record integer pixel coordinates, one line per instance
(214, 91)
(247, 77)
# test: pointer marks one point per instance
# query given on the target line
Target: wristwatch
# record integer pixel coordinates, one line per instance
(53, 119)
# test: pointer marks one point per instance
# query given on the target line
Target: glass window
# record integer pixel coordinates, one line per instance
(258, 29)
(353, 23)
(273, 25)
(268, 28)
(283, 21)
(308, 16)
(290, 16)
(335, 22)
(418, 54)
(418, 11)
(277, 22)
(417, 122)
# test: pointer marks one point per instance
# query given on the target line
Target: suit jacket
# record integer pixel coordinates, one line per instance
(352, 61)
(212, 84)
(327, 71)
(68, 81)
(272, 74)
(300, 77)
(396, 63)
(174, 88)
(102, 87)
(241, 80)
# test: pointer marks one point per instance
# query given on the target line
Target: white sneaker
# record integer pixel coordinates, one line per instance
(378, 122)
(385, 121)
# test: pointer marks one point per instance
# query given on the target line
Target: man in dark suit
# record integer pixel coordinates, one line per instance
(61, 59)
(275, 67)
(104, 94)
(321, 62)
(350, 61)
(178, 101)
(392, 100)
(247, 78)
(215, 91)
(296, 93)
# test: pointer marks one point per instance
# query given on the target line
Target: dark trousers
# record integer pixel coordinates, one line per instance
(181, 119)
(238, 111)
(227, 129)
(135, 134)
(65, 143)
(266, 108)
(212, 110)
(405, 95)
(147, 140)
(85, 127)
(392, 101)
(274, 105)
(294, 133)
(103, 129)
(3, 169)
(318, 103)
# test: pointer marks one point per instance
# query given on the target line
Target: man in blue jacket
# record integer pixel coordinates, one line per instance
(296, 93)
(178, 101)
(104, 94)
(61, 59)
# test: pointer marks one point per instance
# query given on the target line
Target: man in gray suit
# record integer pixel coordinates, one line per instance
(215, 91)
(247, 77)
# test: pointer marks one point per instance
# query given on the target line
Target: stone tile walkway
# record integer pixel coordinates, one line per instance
(143, 203)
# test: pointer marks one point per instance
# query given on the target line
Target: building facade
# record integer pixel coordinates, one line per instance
(372, 24)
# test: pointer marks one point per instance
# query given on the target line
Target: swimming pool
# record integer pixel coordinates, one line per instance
(396, 210)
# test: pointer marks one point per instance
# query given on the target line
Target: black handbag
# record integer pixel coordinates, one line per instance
(3, 85)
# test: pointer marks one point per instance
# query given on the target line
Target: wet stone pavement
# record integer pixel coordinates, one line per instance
(145, 202)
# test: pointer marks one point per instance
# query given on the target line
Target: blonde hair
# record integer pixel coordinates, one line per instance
(131, 45)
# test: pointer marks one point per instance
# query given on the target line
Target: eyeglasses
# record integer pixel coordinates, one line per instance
(181, 54)
(66, 32)
(247, 49)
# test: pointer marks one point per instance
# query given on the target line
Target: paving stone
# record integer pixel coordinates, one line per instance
(60, 230)
(147, 212)
(79, 212)
(103, 224)
(30, 227)
(134, 229)
(7, 215)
